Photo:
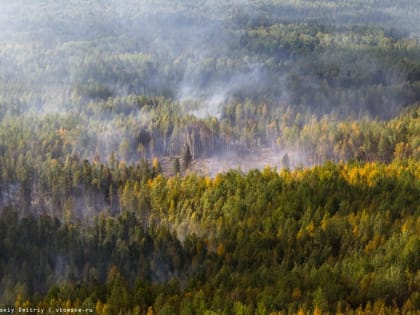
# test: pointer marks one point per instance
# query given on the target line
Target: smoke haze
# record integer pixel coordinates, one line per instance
(61, 57)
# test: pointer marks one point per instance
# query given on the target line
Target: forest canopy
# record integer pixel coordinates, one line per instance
(210, 157)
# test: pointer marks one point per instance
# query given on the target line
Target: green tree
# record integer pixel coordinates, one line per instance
(176, 166)
(187, 157)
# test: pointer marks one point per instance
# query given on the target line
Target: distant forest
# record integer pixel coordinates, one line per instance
(109, 111)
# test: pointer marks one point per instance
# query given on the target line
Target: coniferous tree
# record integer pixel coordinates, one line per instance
(186, 157)
(176, 166)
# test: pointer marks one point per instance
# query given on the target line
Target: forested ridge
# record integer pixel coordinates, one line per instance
(334, 238)
(210, 157)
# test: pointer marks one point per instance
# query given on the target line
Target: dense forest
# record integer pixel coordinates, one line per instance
(210, 157)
